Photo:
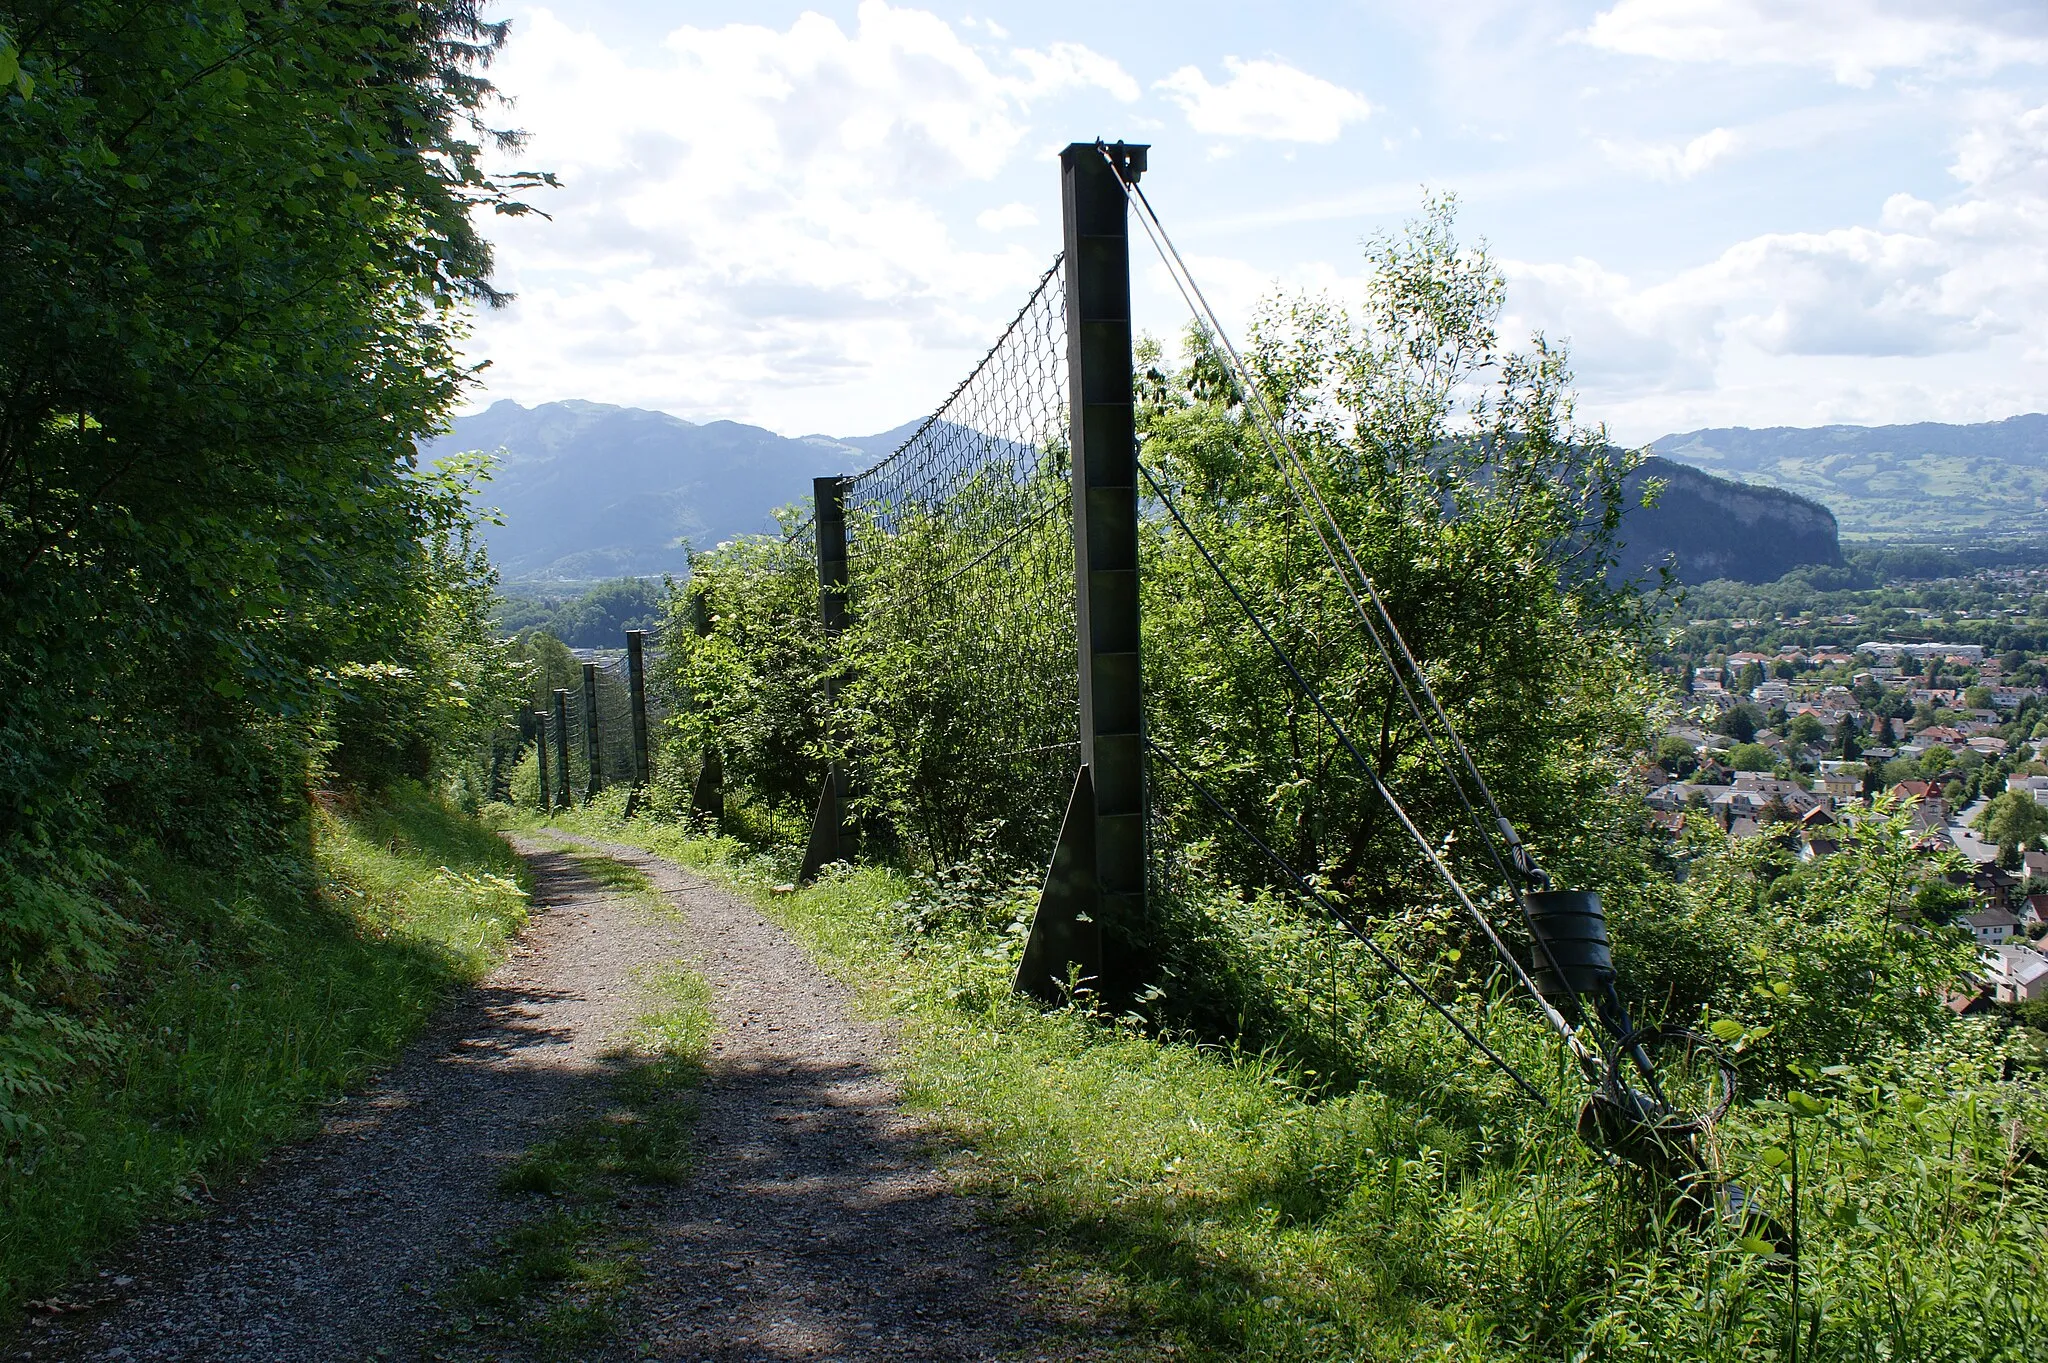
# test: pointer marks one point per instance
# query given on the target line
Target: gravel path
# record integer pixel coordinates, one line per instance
(813, 1225)
(816, 1226)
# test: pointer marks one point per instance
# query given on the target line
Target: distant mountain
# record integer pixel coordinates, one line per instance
(1924, 481)
(1709, 527)
(593, 491)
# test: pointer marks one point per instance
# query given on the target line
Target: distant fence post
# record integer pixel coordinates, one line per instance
(540, 728)
(707, 796)
(592, 749)
(828, 824)
(636, 684)
(1093, 904)
(562, 747)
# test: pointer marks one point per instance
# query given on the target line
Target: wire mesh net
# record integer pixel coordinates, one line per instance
(961, 605)
(614, 729)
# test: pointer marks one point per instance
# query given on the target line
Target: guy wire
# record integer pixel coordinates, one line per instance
(1184, 281)
(1550, 1013)
(1319, 515)
(1309, 892)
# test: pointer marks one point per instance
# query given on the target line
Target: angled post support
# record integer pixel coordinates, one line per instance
(562, 747)
(828, 825)
(636, 687)
(593, 750)
(1091, 913)
(540, 729)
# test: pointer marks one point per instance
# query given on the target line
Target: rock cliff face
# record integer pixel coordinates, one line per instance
(1712, 527)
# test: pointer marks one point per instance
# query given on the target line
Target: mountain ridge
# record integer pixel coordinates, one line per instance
(590, 490)
(1919, 480)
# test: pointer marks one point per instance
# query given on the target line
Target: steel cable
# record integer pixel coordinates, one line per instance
(1371, 774)
(1308, 891)
(1318, 513)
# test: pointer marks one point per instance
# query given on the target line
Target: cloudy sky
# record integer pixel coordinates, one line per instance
(1738, 212)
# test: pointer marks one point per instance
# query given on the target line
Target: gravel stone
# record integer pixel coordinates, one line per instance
(814, 1224)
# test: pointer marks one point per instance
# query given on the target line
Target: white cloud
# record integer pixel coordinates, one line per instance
(1006, 218)
(755, 221)
(1671, 161)
(1853, 39)
(1070, 66)
(2006, 148)
(1624, 338)
(1932, 294)
(1264, 99)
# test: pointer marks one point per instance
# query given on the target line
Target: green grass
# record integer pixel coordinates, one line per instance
(1236, 1204)
(554, 1281)
(241, 1004)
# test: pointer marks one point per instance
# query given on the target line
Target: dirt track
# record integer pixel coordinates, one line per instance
(814, 1224)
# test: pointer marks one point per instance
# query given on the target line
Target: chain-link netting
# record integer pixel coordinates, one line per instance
(962, 694)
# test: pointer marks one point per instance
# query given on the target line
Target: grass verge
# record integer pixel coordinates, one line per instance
(555, 1280)
(241, 1005)
(1238, 1205)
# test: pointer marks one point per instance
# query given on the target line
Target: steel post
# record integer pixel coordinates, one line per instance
(707, 796)
(540, 729)
(1091, 916)
(828, 824)
(593, 750)
(562, 747)
(636, 684)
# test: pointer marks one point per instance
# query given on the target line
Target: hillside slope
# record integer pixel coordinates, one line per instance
(589, 490)
(1923, 481)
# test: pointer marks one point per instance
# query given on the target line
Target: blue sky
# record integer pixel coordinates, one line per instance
(1738, 212)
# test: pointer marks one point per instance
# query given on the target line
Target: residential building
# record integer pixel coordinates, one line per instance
(1991, 927)
(2016, 972)
(1839, 780)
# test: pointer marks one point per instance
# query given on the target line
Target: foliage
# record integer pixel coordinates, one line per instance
(747, 662)
(1751, 757)
(1740, 722)
(2014, 820)
(1239, 1205)
(1827, 964)
(242, 999)
(598, 618)
(431, 707)
(958, 715)
(236, 245)
(1485, 517)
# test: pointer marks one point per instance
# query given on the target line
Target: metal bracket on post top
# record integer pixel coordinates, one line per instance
(1094, 896)
(828, 824)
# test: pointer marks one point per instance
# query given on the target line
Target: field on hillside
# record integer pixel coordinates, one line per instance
(1943, 483)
